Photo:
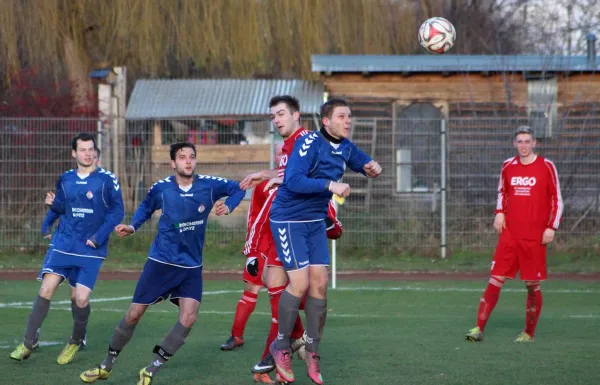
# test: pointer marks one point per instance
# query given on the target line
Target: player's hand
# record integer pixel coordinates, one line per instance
(49, 198)
(341, 189)
(252, 180)
(221, 208)
(123, 230)
(372, 169)
(499, 223)
(548, 236)
(90, 244)
(272, 182)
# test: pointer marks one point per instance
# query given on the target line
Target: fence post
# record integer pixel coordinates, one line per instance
(443, 188)
(99, 144)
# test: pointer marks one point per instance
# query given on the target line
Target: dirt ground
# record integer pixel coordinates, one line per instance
(345, 276)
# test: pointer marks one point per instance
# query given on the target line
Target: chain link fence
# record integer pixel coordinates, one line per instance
(410, 209)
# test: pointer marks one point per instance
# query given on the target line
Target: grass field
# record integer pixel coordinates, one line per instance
(377, 333)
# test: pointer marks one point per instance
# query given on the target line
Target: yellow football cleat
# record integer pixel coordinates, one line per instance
(145, 377)
(474, 335)
(67, 354)
(97, 373)
(20, 353)
(524, 337)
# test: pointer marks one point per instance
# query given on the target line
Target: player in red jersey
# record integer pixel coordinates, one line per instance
(528, 212)
(257, 246)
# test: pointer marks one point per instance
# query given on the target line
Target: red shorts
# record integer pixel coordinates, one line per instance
(253, 270)
(523, 255)
(272, 258)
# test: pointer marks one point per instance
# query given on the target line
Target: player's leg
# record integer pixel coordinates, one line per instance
(316, 300)
(154, 285)
(39, 311)
(504, 265)
(253, 282)
(72, 295)
(85, 275)
(291, 240)
(532, 259)
(188, 296)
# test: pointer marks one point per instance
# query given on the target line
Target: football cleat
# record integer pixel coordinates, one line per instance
(474, 335)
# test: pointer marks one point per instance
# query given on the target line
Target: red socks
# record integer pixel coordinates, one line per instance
(274, 295)
(488, 301)
(533, 309)
(244, 308)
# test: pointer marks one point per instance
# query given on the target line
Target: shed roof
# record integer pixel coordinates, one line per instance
(452, 63)
(217, 97)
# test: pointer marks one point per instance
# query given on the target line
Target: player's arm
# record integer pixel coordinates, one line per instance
(556, 209)
(58, 199)
(114, 214)
(149, 205)
(501, 202)
(362, 163)
(51, 217)
(234, 194)
(303, 157)
(255, 178)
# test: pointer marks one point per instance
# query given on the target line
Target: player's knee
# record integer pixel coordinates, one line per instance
(298, 287)
(81, 300)
(188, 319)
(532, 285)
(252, 288)
(497, 280)
(134, 314)
(276, 277)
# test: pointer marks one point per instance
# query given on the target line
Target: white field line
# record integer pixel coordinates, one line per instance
(42, 343)
(333, 314)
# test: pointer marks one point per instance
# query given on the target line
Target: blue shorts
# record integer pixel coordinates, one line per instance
(160, 281)
(301, 244)
(78, 270)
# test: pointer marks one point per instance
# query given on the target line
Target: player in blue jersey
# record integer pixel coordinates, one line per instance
(47, 224)
(89, 202)
(315, 167)
(174, 266)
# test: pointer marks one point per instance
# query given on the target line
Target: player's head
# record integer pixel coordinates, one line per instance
(278, 153)
(83, 149)
(285, 114)
(183, 158)
(97, 156)
(336, 118)
(524, 141)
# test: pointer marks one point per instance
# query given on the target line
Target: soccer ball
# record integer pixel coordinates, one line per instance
(437, 35)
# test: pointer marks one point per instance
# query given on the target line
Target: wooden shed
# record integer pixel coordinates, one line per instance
(399, 102)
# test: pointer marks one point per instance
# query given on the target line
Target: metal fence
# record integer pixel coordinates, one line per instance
(403, 211)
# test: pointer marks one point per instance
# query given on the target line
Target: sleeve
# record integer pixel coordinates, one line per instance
(114, 214)
(334, 226)
(231, 190)
(502, 200)
(358, 159)
(51, 217)
(556, 202)
(302, 159)
(146, 208)
(58, 205)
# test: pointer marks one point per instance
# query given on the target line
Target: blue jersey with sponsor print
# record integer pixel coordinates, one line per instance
(303, 195)
(182, 223)
(89, 207)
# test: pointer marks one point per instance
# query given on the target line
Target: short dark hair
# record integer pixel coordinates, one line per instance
(98, 152)
(524, 130)
(328, 107)
(178, 146)
(84, 137)
(291, 102)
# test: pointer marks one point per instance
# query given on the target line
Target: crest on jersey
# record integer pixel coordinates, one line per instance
(201, 208)
(89, 195)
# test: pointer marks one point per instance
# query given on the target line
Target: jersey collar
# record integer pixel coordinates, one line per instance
(329, 137)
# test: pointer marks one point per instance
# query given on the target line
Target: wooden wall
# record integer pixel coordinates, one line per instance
(459, 88)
